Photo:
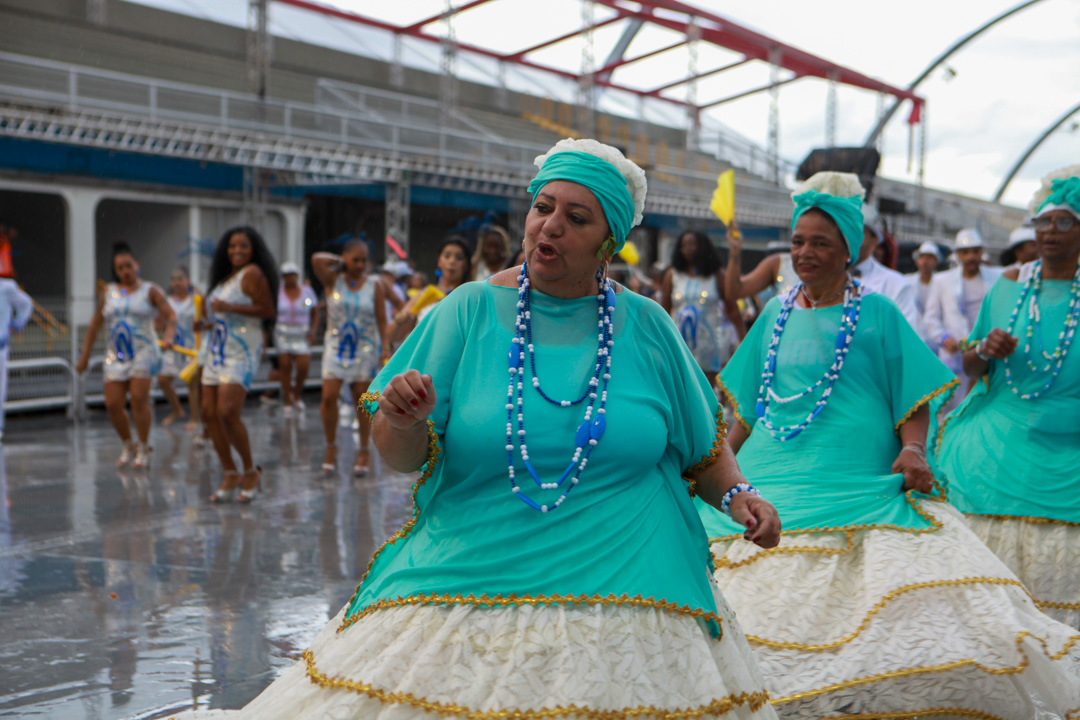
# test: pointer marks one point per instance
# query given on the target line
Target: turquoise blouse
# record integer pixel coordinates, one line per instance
(627, 534)
(1005, 456)
(836, 474)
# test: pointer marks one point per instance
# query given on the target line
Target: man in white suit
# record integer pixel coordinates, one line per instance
(875, 277)
(954, 301)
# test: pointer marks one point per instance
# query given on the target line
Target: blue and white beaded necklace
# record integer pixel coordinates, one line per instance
(591, 429)
(1030, 294)
(849, 319)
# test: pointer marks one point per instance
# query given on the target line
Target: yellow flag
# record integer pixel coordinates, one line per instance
(630, 253)
(723, 199)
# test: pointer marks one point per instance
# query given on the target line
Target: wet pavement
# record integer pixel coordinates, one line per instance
(127, 594)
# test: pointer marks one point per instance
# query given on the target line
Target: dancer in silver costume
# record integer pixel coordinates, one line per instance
(294, 334)
(355, 336)
(242, 294)
(132, 355)
(181, 299)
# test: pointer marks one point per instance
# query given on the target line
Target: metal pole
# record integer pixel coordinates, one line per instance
(871, 139)
(1031, 149)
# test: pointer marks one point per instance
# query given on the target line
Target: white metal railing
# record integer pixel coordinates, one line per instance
(46, 401)
(346, 117)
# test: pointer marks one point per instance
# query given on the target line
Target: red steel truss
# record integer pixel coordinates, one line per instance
(709, 27)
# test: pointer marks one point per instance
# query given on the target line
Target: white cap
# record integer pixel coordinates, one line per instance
(397, 268)
(1021, 235)
(290, 268)
(969, 238)
(929, 248)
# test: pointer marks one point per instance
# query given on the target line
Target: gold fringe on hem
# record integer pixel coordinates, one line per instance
(727, 395)
(722, 563)
(885, 600)
(949, 387)
(425, 475)
(514, 599)
(916, 503)
(940, 668)
(755, 701)
(1027, 519)
(690, 475)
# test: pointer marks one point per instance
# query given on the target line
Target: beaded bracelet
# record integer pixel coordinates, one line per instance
(915, 447)
(979, 352)
(725, 503)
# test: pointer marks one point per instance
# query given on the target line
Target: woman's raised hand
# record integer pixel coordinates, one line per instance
(759, 517)
(408, 399)
(734, 239)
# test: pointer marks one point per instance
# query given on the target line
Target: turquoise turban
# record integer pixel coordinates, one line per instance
(846, 211)
(1064, 192)
(601, 178)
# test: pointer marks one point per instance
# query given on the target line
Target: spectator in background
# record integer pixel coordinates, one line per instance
(15, 309)
(953, 303)
(927, 258)
(883, 280)
(1021, 248)
(492, 252)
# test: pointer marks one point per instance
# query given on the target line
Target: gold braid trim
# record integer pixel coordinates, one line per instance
(985, 379)
(725, 564)
(907, 672)
(949, 387)
(515, 600)
(690, 475)
(915, 503)
(729, 396)
(1057, 605)
(755, 701)
(1026, 519)
(429, 468)
(885, 600)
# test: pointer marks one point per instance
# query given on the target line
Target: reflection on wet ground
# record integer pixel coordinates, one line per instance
(127, 594)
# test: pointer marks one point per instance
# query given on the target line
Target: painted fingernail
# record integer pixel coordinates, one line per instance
(400, 411)
(414, 401)
(423, 395)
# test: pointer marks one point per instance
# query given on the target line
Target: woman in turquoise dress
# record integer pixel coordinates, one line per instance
(585, 597)
(879, 602)
(1011, 450)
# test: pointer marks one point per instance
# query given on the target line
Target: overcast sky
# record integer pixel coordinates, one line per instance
(1000, 93)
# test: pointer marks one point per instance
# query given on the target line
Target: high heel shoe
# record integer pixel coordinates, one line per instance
(229, 483)
(142, 457)
(247, 494)
(126, 455)
(360, 468)
(330, 467)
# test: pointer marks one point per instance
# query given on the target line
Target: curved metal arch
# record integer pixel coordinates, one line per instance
(1031, 149)
(884, 120)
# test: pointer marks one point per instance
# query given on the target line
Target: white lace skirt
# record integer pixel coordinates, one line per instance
(878, 622)
(1045, 555)
(569, 662)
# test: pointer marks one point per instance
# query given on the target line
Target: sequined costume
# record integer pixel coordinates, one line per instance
(173, 362)
(877, 603)
(294, 322)
(131, 343)
(351, 346)
(698, 309)
(234, 342)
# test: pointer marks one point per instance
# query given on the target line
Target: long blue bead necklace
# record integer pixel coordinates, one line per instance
(849, 319)
(1055, 359)
(591, 429)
